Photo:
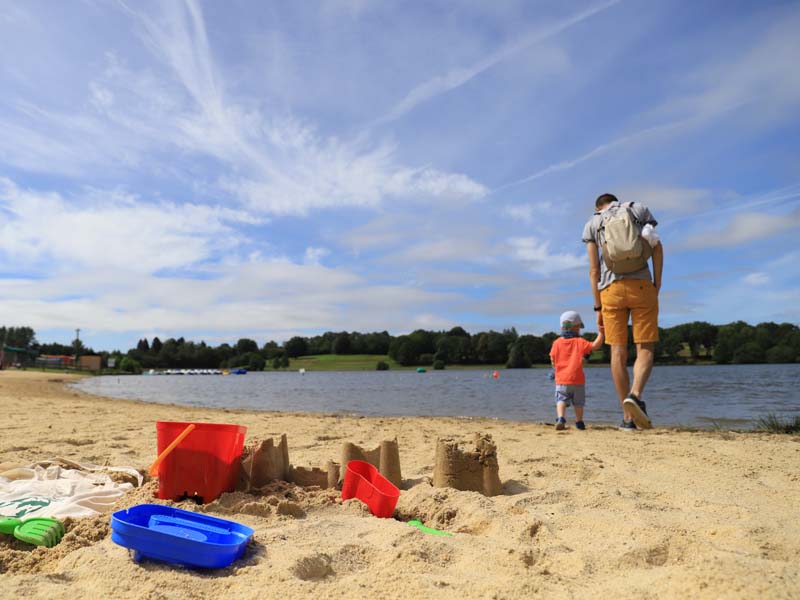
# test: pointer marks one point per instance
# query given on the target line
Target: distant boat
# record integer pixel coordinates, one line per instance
(301, 371)
(420, 369)
(239, 372)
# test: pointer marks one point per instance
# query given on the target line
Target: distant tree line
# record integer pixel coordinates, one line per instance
(699, 341)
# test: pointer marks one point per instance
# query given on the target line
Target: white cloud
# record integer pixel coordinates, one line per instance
(519, 212)
(109, 229)
(261, 297)
(525, 213)
(535, 253)
(668, 199)
(764, 74)
(444, 250)
(756, 279)
(744, 228)
(274, 163)
(313, 255)
(286, 167)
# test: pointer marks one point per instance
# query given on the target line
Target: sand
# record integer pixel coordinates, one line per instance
(594, 514)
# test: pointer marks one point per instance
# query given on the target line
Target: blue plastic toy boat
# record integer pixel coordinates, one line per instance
(179, 536)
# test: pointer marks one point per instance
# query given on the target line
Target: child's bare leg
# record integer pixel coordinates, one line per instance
(561, 409)
(579, 413)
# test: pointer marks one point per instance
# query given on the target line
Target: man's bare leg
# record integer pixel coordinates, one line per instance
(642, 367)
(619, 373)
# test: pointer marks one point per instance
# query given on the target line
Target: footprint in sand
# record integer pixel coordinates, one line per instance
(314, 567)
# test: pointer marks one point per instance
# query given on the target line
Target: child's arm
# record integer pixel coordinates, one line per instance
(598, 341)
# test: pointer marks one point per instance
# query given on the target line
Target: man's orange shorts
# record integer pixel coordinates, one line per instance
(636, 299)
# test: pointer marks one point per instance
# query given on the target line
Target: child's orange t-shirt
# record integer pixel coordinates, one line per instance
(567, 355)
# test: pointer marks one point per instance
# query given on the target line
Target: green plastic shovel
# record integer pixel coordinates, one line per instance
(40, 531)
(418, 524)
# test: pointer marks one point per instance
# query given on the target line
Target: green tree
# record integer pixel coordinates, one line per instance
(341, 345)
(271, 350)
(130, 365)
(438, 365)
(751, 352)
(284, 361)
(296, 346)
(425, 359)
(378, 343)
(517, 359)
(255, 362)
(18, 337)
(447, 348)
(781, 354)
(458, 332)
(382, 366)
(245, 346)
(669, 343)
(534, 348)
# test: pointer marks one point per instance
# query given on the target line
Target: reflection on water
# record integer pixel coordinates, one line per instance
(731, 396)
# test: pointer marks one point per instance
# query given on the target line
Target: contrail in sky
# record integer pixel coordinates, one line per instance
(458, 77)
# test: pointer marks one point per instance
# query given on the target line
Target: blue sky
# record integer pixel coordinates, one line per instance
(266, 169)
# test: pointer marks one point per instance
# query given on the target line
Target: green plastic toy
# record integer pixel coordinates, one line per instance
(418, 524)
(39, 531)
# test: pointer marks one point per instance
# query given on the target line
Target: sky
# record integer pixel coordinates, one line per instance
(217, 170)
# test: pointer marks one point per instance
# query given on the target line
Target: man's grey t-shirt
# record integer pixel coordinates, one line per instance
(591, 233)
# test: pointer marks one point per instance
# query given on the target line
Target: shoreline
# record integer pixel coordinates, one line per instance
(703, 422)
(589, 514)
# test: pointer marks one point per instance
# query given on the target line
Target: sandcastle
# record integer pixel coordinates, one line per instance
(469, 465)
(265, 462)
(466, 464)
(385, 458)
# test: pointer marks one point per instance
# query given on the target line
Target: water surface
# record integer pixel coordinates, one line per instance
(731, 396)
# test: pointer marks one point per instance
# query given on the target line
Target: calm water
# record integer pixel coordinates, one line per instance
(733, 396)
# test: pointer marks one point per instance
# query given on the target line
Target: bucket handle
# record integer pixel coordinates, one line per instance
(170, 448)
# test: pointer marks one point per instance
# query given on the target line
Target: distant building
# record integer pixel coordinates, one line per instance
(16, 357)
(55, 361)
(90, 363)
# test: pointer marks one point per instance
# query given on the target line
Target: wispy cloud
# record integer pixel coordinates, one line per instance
(604, 148)
(761, 74)
(745, 228)
(110, 229)
(314, 255)
(536, 255)
(670, 199)
(526, 213)
(455, 78)
(756, 279)
(272, 163)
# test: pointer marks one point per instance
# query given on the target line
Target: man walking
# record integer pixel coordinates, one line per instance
(619, 241)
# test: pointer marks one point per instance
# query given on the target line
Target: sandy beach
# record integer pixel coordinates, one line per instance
(595, 514)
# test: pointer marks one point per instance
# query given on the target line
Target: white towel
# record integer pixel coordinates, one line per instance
(60, 488)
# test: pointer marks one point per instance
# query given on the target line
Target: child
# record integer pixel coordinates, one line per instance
(566, 356)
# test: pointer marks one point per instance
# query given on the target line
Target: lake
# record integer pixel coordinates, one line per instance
(732, 396)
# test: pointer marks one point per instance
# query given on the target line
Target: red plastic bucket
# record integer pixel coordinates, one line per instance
(205, 464)
(363, 481)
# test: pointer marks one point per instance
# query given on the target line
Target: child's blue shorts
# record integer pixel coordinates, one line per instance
(571, 394)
